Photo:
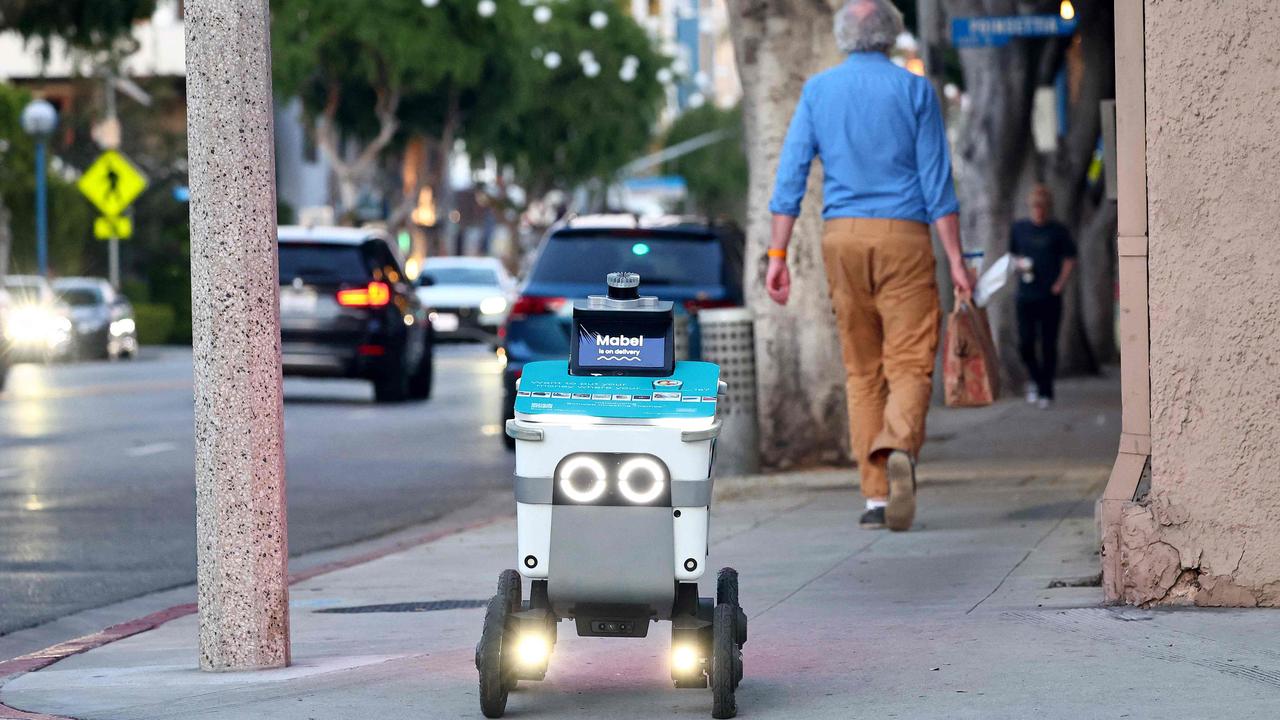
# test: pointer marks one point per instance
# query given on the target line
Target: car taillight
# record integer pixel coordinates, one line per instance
(376, 294)
(528, 305)
(693, 306)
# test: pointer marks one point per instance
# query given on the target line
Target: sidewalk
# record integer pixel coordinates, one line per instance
(988, 609)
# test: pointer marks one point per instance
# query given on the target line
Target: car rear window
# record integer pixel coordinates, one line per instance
(659, 259)
(323, 263)
(460, 275)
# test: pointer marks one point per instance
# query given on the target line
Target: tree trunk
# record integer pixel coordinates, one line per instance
(1088, 337)
(991, 152)
(6, 238)
(800, 378)
(353, 174)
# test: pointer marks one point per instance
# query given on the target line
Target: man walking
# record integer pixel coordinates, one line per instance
(887, 175)
(1044, 256)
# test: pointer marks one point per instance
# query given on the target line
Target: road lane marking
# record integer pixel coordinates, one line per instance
(150, 449)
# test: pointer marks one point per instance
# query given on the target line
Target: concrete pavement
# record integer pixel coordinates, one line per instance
(988, 610)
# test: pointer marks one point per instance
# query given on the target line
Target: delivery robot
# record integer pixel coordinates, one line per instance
(613, 491)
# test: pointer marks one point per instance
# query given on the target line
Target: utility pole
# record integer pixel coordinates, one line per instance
(113, 142)
(242, 547)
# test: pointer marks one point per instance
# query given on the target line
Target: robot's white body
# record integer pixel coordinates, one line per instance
(622, 553)
(613, 489)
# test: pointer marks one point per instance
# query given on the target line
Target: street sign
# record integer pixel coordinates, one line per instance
(109, 227)
(112, 183)
(997, 31)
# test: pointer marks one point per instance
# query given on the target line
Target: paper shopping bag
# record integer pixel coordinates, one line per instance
(970, 368)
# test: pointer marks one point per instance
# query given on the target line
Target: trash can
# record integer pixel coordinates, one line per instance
(728, 340)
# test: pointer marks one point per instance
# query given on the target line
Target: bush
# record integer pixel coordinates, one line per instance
(155, 323)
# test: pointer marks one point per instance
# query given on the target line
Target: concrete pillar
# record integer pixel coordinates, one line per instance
(1199, 232)
(241, 537)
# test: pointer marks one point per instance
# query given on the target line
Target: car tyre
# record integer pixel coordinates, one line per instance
(508, 413)
(420, 383)
(392, 384)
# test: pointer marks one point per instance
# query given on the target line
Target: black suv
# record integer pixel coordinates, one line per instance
(348, 311)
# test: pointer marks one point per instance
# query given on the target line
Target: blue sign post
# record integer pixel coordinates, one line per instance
(997, 31)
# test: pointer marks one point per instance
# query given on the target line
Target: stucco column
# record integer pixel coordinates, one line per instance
(242, 546)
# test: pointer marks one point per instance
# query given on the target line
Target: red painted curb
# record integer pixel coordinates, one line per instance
(40, 659)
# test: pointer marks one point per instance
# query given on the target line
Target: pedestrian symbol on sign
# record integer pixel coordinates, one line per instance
(112, 183)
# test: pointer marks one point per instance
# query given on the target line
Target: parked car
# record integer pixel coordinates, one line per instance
(694, 264)
(101, 319)
(469, 296)
(38, 326)
(348, 311)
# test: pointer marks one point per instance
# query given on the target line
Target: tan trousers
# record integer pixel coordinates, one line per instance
(881, 274)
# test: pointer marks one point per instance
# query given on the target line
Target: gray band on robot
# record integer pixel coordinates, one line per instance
(533, 491)
(691, 493)
(684, 493)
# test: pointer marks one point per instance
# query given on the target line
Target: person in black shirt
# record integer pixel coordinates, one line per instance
(1044, 256)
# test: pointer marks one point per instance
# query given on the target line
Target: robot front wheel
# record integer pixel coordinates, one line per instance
(515, 643)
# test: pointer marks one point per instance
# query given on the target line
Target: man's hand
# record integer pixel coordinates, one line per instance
(1056, 289)
(961, 278)
(777, 280)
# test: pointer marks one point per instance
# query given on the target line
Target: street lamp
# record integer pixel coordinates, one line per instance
(39, 119)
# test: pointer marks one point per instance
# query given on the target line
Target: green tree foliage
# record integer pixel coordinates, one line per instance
(382, 67)
(716, 174)
(70, 219)
(572, 127)
(83, 24)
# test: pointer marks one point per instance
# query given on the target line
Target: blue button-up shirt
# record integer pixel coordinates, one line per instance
(879, 133)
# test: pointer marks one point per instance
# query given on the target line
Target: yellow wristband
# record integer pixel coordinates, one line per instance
(779, 253)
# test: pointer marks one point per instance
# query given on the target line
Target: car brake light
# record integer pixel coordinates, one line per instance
(536, 305)
(376, 294)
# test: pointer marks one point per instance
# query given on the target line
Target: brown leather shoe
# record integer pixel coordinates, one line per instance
(901, 511)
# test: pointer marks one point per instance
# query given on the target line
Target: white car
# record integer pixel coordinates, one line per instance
(102, 319)
(37, 327)
(469, 296)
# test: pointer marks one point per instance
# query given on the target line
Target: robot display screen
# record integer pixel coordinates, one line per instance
(622, 347)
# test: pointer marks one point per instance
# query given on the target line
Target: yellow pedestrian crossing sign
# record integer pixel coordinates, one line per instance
(107, 227)
(112, 183)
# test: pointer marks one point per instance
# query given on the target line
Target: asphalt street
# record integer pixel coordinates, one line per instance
(97, 495)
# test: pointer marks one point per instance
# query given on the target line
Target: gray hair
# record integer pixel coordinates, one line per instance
(868, 26)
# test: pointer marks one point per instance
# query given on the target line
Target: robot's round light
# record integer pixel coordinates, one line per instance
(684, 660)
(532, 650)
(641, 467)
(582, 464)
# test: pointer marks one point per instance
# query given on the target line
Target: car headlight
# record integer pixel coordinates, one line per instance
(572, 474)
(493, 305)
(123, 326)
(641, 480)
(29, 325)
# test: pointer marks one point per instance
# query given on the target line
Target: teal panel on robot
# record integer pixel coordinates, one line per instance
(547, 388)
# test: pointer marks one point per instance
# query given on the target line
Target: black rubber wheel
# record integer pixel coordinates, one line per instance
(392, 384)
(494, 678)
(727, 586)
(420, 383)
(724, 651)
(509, 587)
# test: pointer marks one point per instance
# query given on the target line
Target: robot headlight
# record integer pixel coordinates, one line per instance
(642, 480)
(582, 479)
(625, 479)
